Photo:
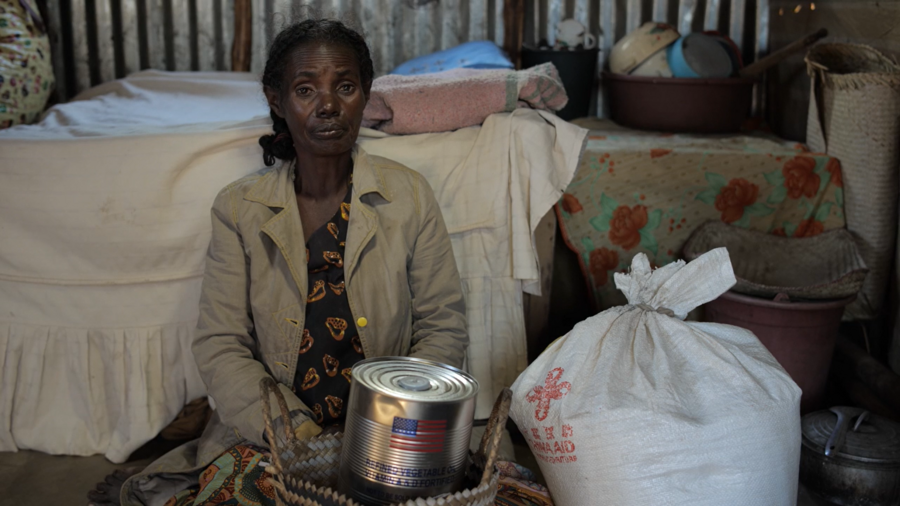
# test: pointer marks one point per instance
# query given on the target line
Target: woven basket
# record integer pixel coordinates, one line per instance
(306, 472)
(826, 266)
(854, 116)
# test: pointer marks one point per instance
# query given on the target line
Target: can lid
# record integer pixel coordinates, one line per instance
(415, 379)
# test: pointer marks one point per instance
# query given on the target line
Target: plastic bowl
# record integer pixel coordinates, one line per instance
(679, 105)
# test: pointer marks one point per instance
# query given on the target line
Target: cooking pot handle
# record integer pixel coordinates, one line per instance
(844, 417)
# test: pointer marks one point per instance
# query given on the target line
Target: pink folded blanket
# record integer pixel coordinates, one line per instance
(459, 98)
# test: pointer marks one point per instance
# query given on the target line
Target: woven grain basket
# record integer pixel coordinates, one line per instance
(306, 472)
(824, 267)
(854, 116)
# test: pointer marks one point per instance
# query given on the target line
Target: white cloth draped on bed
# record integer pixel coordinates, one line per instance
(105, 223)
(494, 184)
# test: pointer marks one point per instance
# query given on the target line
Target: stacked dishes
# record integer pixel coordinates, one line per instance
(407, 432)
(657, 50)
(660, 80)
(642, 52)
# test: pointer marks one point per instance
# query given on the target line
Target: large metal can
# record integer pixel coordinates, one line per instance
(407, 430)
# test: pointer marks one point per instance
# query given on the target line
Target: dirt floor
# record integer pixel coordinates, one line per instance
(36, 479)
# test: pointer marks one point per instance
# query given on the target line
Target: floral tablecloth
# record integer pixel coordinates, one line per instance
(646, 192)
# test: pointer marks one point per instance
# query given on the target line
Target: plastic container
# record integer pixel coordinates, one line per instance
(800, 335)
(679, 105)
(577, 69)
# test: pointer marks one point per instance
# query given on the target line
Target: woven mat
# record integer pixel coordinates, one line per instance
(646, 192)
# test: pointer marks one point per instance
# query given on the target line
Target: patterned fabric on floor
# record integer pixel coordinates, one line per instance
(517, 487)
(235, 478)
(646, 192)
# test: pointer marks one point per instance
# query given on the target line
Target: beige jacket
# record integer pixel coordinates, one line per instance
(401, 280)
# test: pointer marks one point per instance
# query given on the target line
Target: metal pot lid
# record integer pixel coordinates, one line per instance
(874, 439)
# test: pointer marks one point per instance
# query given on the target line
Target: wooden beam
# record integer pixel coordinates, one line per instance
(243, 36)
(513, 29)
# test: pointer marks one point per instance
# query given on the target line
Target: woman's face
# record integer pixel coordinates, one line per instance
(322, 99)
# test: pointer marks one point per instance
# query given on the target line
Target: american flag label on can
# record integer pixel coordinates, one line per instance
(420, 436)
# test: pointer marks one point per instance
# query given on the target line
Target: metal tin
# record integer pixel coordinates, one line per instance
(407, 432)
(862, 464)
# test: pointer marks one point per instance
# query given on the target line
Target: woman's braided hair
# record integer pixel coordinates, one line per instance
(328, 31)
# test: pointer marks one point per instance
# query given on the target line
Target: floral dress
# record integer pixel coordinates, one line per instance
(331, 342)
(329, 348)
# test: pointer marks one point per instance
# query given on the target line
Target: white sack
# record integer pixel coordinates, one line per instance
(637, 408)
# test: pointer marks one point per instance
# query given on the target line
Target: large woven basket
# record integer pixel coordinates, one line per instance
(826, 266)
(854, 116)
(306, 472)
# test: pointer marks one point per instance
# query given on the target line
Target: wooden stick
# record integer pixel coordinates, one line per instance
(243, 36)
(762, 65)
(490, 441)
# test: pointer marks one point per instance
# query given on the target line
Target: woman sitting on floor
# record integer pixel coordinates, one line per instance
(328, 258)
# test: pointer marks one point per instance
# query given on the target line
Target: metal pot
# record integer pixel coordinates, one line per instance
(851, 457)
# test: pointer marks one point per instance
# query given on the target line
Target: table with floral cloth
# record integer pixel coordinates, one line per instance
(646, 192)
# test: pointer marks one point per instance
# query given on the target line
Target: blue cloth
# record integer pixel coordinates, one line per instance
(479, 54)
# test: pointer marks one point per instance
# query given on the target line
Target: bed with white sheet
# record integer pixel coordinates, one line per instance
(105, 224)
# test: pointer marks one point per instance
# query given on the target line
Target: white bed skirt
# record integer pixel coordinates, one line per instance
(80, 387)
(104, 225)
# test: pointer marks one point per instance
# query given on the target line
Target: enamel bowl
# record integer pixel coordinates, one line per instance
(655, 66)
(639, 45)
(734, 51)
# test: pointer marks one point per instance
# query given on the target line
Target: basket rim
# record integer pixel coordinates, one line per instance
(891, 74)
(801, 305)
(849, 48)
(285, 485)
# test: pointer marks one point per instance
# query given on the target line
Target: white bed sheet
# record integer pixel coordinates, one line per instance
(104, 220)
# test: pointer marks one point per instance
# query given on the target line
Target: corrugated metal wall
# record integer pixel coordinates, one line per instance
(102, 40)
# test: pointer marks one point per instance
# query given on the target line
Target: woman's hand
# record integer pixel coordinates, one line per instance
(307, 430)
